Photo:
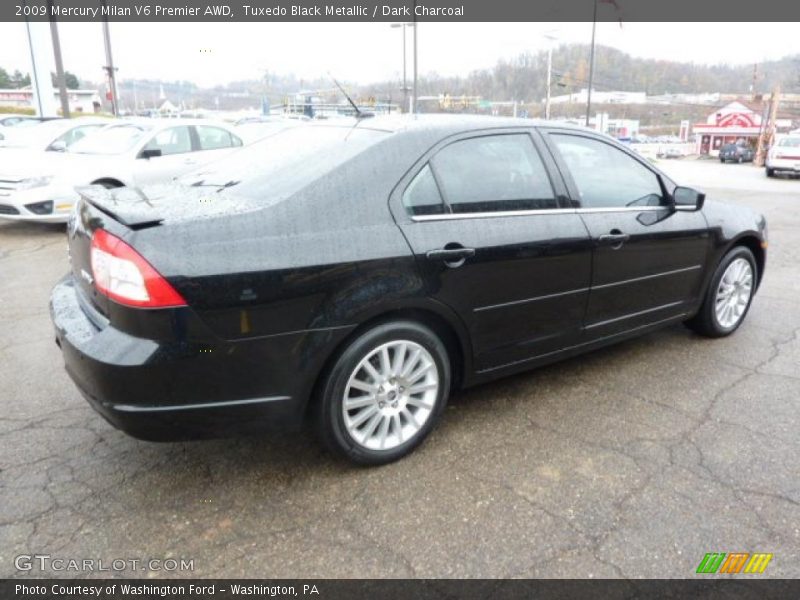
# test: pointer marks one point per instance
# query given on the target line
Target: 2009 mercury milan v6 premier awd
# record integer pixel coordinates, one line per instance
(356, 274)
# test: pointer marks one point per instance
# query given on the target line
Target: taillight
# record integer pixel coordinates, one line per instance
(126, 277)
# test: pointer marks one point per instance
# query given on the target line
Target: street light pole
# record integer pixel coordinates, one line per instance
(591, 66)
(403, 26)
(415, 25)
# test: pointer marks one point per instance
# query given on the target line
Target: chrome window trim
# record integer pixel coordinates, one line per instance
(543, 211)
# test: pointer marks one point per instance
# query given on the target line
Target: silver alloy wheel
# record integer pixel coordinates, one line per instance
(390, 395)
(733, 293)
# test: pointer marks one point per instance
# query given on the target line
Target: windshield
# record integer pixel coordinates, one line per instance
(790, 142)
(111, 140)
(283, 163)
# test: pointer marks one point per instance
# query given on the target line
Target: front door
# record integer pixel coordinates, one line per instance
(176, 156)
(494, 244)
(648, 257)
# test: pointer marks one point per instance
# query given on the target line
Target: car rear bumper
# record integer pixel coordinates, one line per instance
(175, 390)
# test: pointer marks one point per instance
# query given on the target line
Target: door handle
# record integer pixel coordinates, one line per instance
(614, 238)
(452, 257)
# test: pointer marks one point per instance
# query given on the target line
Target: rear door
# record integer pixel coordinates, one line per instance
(214, 143)
(484, 218)
(648, 258)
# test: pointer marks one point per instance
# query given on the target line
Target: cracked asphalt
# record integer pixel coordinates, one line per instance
(633, 461)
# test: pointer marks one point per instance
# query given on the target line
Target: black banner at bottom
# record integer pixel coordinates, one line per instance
(391, 589)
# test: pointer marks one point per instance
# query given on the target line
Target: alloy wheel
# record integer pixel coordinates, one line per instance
(733, 293)
(390, 395)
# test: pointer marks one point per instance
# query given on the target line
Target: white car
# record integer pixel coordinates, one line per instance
(784, 156)
(126, 153)
(49, 136)
(11, 120)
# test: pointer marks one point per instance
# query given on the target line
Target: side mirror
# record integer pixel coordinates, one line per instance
(149, 153)
(58, 146)
(687, 199)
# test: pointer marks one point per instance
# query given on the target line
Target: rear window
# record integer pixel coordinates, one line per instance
(287, 161)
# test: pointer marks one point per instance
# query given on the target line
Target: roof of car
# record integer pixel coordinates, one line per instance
(444, 123)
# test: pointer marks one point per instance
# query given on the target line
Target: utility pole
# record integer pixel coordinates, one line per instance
(109, 68)
(591, 65)
(551, 38)
(549, 76)
(60, 78)
(768, 129)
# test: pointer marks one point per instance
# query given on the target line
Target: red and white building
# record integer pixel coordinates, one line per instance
(727, 125)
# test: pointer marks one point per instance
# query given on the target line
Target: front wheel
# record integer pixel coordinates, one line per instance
(729, 295)
(384, 393)
(770, 172)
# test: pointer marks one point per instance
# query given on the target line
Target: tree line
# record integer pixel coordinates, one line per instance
(18, 80)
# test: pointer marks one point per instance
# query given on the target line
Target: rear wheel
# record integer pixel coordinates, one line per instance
(384, 393)
(729, 295)
(770, 172)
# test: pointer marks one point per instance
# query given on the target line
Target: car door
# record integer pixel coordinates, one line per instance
(648, 257)
(166, 155)
(483, 216)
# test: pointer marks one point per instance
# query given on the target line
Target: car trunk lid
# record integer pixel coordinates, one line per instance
(140, 208)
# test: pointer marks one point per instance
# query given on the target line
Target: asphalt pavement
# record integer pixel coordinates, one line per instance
(633, 461)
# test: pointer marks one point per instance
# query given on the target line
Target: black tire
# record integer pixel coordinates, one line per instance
(722, 160)
(705, 321)
(330, 418)
(770, 172)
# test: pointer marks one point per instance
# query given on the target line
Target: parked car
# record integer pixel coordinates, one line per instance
(18, 120)
(355, 275)
(127, 153)
(9, 121)
(669, 152)
(736, 152)
(784, 156)
(48, 136)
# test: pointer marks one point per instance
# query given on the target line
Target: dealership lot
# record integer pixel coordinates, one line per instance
(633, 461)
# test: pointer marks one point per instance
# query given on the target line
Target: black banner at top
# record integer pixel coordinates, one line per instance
(400, 10)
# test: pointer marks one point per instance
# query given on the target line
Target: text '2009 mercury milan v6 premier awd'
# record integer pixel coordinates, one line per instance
(354, 275)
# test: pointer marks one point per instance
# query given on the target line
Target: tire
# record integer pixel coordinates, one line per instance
(722, 160)
(770, 172)
(708, 321)
(376, 427)
(740, 160)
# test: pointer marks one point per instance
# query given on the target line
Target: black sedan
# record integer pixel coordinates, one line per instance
(354, 275)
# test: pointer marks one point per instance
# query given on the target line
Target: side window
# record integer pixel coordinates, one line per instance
(215, 138)
(175, 140)
(493, 173)
(607, 177)
(422, 195)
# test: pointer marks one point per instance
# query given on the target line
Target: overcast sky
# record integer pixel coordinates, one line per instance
(365, 52)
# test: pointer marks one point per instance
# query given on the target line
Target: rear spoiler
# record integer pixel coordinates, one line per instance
(127, 205)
